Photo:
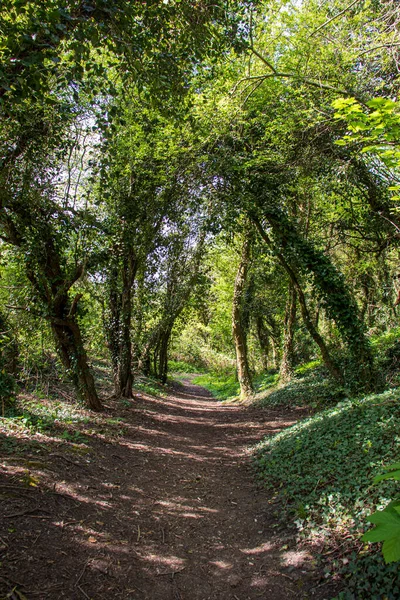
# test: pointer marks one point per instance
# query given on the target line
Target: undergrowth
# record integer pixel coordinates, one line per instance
(148, 385)
(386, 348)
(44, 411)
(310, 387)
(321, 471)
(33, 414)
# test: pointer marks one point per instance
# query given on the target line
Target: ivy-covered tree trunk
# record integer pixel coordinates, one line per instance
(129, 269)
(161, 356)
(71, 350)
(286, 370)
(275, 354)
(238, 329)
(296, 253)
(330, 363)
(8, 347)
(274, 331)
(111, 321)
(118, 320)
(148, 357)
(52, 283)
(155, 353)
(263, 341)
(183, 274)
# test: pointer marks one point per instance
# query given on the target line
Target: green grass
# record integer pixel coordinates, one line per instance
(180, 366)
(222, 387)
(321, 470)
(226, 386)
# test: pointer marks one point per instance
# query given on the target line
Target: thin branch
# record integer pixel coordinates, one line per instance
(255, 88)
(339, 14)
(74, 306)
(389, 221)
(25, 309)
(248, 78)
(264, 60)
(251, 27)
(389, 45)
(299, 78)
(251, 41)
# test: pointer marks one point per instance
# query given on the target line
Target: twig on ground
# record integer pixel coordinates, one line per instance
(136, 588)
(68, 523)
(68, 460)
(68, 397)
(27, 512)
(83, 592)
(81, 575)
(172, 573)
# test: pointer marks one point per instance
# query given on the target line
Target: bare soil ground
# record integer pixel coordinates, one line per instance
(161, 504)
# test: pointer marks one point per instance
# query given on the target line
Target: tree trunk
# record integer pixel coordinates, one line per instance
(296, 253)
(318, 339)
(286, 370)
(263, 341)
(9, 351)
(111, 322)
(275, 354)
(238, 330)
(163, 356)
(179, 288)
(146, 365)
(118, 322)
(155, 360)
(308, 322)
(125, 379)
(275, 333)
(69, 342)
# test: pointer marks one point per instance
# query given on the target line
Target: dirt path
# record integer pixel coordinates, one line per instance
(165, 510)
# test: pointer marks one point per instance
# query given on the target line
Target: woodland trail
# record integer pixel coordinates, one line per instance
(167, 510)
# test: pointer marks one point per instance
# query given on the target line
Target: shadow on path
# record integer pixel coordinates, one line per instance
(168, 510)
